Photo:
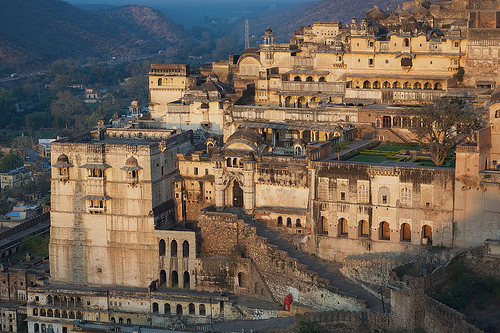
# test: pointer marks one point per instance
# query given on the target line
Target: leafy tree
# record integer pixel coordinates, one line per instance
(339, 146)
(445, 123)
(10, 161)
(67, 107)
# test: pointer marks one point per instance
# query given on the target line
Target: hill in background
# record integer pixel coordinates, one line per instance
(284, 21)
(34, 33)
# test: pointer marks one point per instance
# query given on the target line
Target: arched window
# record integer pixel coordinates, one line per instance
(72, 315)
(187, 282)
(367, 84)
(35, 312)
(396, 85)
(162, 247)
(386, 84)
(175, 279)
(173, 248)
(384, 231)
(324, 225)
(384, 195)
(49, 300)
(343, 227)
(309, 79)
(280, 221)
(202, 310)
(57, 314)
(163, 277)
(417, 85)
(166, 308)
(185, 249)
(427, 86)
(241, 280)
(178, 310)
(322, 79)
(155, 307)
(363, 228)
(438, 86)
(191, 309)
(405, 232)
(43, 313)
(50, 313)
(297, 223)
(235, 162)
(129, 321)
(120, 320)
(113, 319)
(159, 81)
(297, 78)
(427, 233)
(288, 222)
(406, 85)
(376, 85)
(36, 328)
(406, 42)
(64, 314)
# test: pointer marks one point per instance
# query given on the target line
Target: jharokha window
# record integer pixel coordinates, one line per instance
(62, 165)
(132, 168)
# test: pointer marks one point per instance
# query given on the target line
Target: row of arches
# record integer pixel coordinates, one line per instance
(173, 248)
(41, 328)
(121, 320)
(298, 102)
(289, 222)
(174, 279)
(234, 162)
(57, 313)
(64, 301)
(165, 81)
(309, 79)
(179, 311)
(367, 84)
(384, 230)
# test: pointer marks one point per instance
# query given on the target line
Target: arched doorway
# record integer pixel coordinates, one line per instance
(237, 195)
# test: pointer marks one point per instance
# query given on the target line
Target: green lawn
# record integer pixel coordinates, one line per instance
(395, 148)
(367, 158)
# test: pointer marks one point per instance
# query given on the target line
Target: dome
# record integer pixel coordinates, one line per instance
(375, 14)
(250, 51)
(63, 158)
(62, 162)
(418, 11)
(131, 164)
(268, 32)
(244, 139)
(131, 161)
(401, 12)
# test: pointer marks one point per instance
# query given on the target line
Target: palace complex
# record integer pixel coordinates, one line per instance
(157, 220)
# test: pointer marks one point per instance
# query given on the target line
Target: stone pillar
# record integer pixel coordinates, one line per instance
(301, 134)
(248, 187)
(219, 188)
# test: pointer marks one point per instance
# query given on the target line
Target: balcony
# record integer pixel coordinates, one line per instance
(324, 87)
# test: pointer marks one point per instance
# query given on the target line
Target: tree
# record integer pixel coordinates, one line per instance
(67, 107)
(444, 124)
(339, 146)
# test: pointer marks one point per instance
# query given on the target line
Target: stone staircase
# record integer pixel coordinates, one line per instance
(326, 269)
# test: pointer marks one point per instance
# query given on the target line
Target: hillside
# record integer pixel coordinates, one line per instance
(284, 21)
(34, 33)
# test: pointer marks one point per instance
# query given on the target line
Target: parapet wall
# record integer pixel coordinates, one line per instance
(349, 318)
(224, 235)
